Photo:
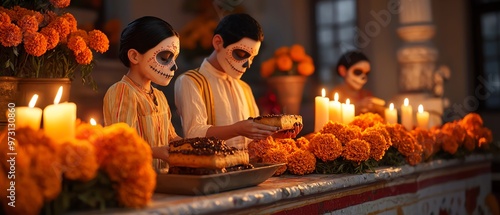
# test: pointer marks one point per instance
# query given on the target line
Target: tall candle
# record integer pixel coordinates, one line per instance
(59, 119)
(30, 116)
(347, 112)
(320, 111)
(391, 114)
(335, 109)
(407, 115)
(422, 117)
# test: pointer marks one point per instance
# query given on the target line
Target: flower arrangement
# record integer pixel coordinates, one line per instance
(286, 60)
(91, 171)
(368, 142)
(39, 40)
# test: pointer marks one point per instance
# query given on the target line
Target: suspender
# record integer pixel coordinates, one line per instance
(206, 93)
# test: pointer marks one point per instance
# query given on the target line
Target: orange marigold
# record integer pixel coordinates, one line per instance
(472, 121)
(84, 57)
(60, 3)
(4, 18)
(81, 33)
(416, 157)
(276, 156)
(78, 160)
(28, 23)
(267, 67)
(284, 63)
(305, 68)
(98, 41)
(137, 192)
(356, 150)
(35, 44)
(72, 23)
(378, 144)
(76, 44)
(303, 143)
(284, 50)
(257, 148)
(10, 35)
(366, 120)
(61, 25)
(301, 162)
(380, 129)
(297, 52)
(425, 138)
(326, 147)
(86, 131)
(51, 36)
(286, 144)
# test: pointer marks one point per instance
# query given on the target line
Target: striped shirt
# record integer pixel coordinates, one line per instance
(126, 102)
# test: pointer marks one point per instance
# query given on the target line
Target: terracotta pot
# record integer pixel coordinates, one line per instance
(46, 88)
(289, 90)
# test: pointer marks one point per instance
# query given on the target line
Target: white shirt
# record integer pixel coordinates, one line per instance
(229, 99)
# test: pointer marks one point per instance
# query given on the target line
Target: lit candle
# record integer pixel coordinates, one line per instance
(59, 119)
(320, 111)
(422, 117)
(93, 122)
(407, 115)
(29, 116)
(391, 114)
(335, 108)
(347, 112)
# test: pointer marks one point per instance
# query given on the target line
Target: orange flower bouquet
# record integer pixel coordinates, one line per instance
(39, 40)
(291, 60)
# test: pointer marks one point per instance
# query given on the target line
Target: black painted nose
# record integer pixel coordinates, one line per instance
(174, 68)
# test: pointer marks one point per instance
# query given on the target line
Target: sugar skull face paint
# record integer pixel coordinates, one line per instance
(236, 58)
(159, 61)
(357, 75)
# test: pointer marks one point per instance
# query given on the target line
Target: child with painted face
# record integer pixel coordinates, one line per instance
(148, 47)
(354, 67)
(212, 100)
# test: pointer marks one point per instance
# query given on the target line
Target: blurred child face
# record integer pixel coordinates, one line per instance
(236, 58)
(158, 63)
(357, 75)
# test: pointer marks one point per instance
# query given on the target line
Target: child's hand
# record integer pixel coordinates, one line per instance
(291, 133)
(256, 131)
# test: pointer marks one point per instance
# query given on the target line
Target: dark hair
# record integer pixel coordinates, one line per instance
(143, 34)
(234, 27)
(350, 58)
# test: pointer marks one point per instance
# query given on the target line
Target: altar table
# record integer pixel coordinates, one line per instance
(457, 186)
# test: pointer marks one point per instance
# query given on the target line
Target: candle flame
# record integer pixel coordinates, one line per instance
(93, 122)
(406, 102)
(33, 101)
(391, 106)
(336, 97)
(347, 101)
(420, 108)
(58, 95)
(323, 92)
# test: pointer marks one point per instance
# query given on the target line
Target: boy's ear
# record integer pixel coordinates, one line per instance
(217, 42)
(342, 70)
(133, 56)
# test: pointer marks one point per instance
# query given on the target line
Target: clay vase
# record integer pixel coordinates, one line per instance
(289, 90)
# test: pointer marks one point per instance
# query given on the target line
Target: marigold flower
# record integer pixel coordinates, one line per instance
(416, 157)
(284, 50)
(267, 67)
(61, 25)
(10, 35)
(284, 63)
(485, 137)
(84, 57)
(305, 68)
(303, 143)
(447, 142)
(98, 41)
(378, 144)
(380, 129)
(35, 44)
(52, 37)
(80, 32)
(356, 150)
(136, 192)
(86, 131)
(455, 130)
(60, 3)
(4, 18)
(257, 148)
(79, 160)
(28, 23)
(425, 138)
(72, 23)
(276, 156)
(301, 162)
(469, 143)
(326, 147)
(297, 52)
(286, 144)
(366, 120)
(472, 121)
(76, 44)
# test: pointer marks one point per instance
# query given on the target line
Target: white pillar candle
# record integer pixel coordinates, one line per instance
(320, 111)
(347, 112)
(391, 114)
(422, 117)
(407, 115)
(59, 119)
(30, 116)
(335, 113)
